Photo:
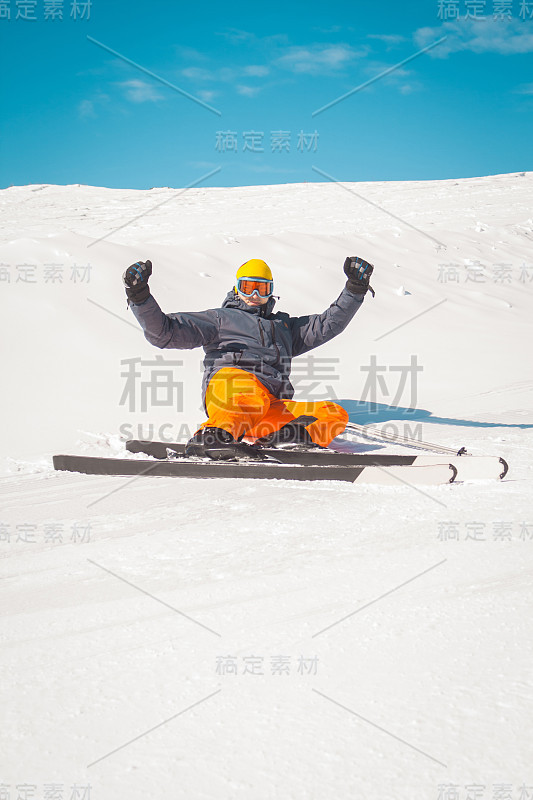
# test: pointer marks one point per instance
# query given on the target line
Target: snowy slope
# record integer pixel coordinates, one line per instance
(127, 605)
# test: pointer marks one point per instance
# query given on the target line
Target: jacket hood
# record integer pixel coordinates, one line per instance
(234, 301)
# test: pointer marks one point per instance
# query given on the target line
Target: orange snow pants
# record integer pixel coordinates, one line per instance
(237, 401)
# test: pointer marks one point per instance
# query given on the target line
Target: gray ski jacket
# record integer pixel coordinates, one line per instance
(252, 338)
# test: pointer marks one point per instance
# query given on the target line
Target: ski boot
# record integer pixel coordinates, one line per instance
(219, 445)
(292, 436)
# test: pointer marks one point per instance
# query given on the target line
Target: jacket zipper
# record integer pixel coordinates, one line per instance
(261, 332)
(274, 340)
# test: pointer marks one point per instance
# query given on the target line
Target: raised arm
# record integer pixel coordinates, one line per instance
(182, 331)
(316, 329)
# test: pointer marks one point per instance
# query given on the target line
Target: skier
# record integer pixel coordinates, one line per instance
(248, 351)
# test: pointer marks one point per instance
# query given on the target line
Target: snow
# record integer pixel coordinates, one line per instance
(121, 596)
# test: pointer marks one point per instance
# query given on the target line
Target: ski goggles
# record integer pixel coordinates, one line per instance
(250, 286)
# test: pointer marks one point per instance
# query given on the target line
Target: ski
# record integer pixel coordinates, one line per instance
(195, 468)
(468, 467)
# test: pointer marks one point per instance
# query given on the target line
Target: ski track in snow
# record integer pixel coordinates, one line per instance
(124, 600)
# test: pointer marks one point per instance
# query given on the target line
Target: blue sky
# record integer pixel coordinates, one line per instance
(75, 113)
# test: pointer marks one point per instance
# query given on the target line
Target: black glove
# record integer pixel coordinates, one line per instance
(358, 272)
(136, 282)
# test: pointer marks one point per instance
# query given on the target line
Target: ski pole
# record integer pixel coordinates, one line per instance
(362, 430)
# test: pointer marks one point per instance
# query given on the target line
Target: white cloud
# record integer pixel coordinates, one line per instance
(488, 35)
(388, 38)
(197, 74)
(525, 88)
(409, 88)
(207, 95)
(375, 67)
(256, 71)
(318, 59)
(139, 91)
(86, 109)
(331, 29)
(400, 78)
(248, 91)
(225, 74)
(190, 53)
(236, 36)
(203, 164)
(89, 106)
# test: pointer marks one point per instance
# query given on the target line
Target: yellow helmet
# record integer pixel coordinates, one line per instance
(254, 268)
